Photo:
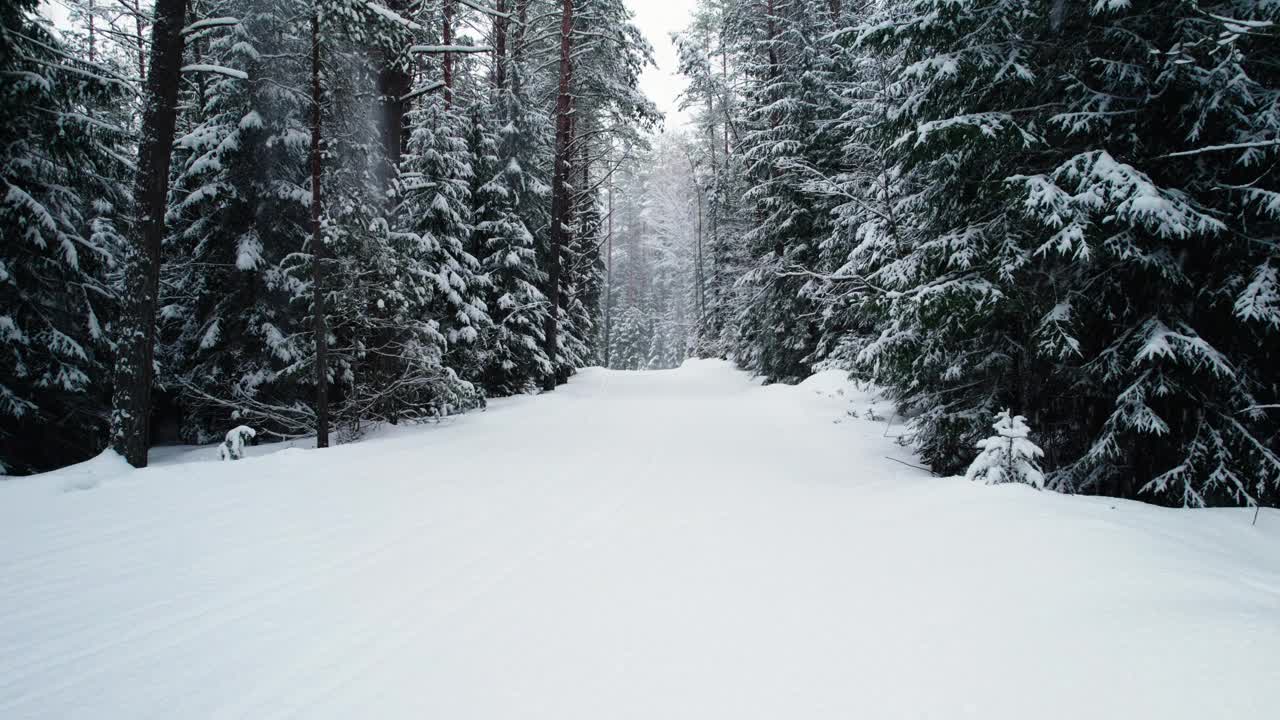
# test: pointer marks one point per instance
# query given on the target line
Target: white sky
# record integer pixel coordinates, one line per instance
(657, 19)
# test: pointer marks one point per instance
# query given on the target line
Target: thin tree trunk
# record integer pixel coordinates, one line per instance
(522, 14)
(608, 271)
(317, 248)
(446, 37)
(560, 200)
(702, 304)
(773, 39)
(131, 415)
(500, 47)
(778, 248)
(92, 39)
(394, 82)
(724, 74)
(142, 48)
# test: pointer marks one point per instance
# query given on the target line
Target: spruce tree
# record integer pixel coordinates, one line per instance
(62, 185)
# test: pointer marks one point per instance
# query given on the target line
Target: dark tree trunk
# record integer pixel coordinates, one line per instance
(773, 39)
(522, 14)
(140, 29)
(724, 74)
(500, 47)
(778, 248)
(560, 200)
(394, 82)
(92, 40)
(608, 271)
(317, 249)
(446, 37)
(702, 302)
(131, 416)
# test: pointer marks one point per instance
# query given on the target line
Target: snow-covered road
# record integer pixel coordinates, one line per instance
(666, 545)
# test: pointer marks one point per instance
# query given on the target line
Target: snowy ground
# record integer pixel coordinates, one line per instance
(667, 545)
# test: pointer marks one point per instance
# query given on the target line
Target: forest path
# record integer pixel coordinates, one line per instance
(660, 545)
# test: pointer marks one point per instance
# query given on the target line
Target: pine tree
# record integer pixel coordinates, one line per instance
(508, 199)
(62, 172)
(436, 214)
(235, 340)
(954, 277)
(1159, 228)
(785, 148)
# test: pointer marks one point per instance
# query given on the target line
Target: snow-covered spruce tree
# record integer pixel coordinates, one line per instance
(436, 215)
(234, 302)
(1008, 456)
(508, 199)
(869, 200)
(632, 340)
(1159, 237)
(956, 294)
(240, 337)
(790, 61)
(62, 179)
(1087, 235)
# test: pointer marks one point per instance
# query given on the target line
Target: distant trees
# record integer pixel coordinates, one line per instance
(654, 278)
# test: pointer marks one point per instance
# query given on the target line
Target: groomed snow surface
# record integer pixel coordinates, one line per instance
(677, 544)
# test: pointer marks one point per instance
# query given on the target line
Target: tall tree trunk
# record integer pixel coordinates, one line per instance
(724, 74)
(522, 24)
(140, 28)
(394, 82)
(608, 269)
(131, 415)
(702, 303)
(92, 39)
(317, 248)
(560, 200)
(778, 248)
(773, 39)
(446, 37)
(500, 47)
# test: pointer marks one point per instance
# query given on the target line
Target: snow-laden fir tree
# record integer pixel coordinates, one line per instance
(1008, 456)
(63, 150)
(954, 286)
(508, 200)
(436, 215)
(234, 297)
(239, 322)
(1158, 236)
(790, 62)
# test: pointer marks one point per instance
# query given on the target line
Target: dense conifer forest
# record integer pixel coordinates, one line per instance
(312, 217)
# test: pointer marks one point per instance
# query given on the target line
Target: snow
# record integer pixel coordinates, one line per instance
(672, 544)
(216, 69)
(210, 23)
(389, 14)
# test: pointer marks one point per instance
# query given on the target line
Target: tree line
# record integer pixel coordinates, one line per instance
(307, 216)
